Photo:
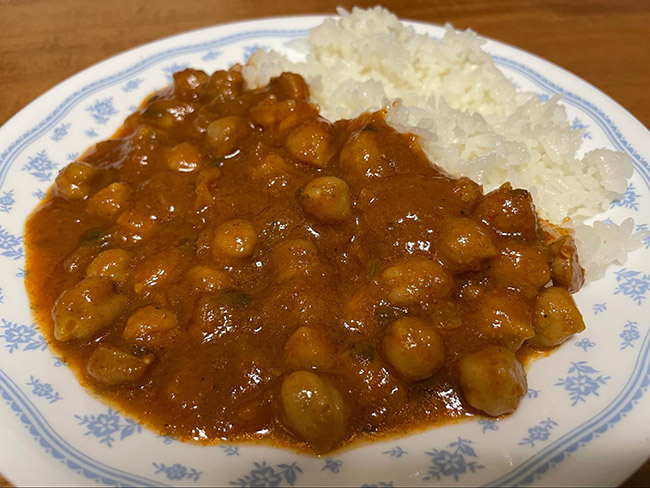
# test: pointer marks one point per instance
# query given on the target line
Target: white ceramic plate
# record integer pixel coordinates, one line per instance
(583, 421)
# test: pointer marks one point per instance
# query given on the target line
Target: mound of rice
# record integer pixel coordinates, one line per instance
(469, 117)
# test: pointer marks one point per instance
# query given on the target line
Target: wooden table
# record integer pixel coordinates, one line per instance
(605, 42)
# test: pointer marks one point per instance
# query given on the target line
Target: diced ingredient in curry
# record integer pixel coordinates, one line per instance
(556, 317)
(233, 266)
(492, 380)
(510, 212)
(521, 265)
(505, 317)
(565, 268)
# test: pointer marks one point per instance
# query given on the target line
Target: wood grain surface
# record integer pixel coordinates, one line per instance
(605, 42)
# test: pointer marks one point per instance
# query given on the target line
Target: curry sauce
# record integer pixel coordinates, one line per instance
(232, 266)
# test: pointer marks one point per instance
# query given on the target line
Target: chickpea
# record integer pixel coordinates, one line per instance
(313, 410)
(465, 244)
(83, 310)
(114, 264)
(167, 114)
(73, 181)
(492, 380)
(415, 280)
(467, 191)
(136, 224)
(293, 258)
(234, 239)
(414, 348)
(290, 115)
(291, 85)
(521, 265)
(111, 367)
(225, 85)
(309, 349)
(565, 265)
(556, 318)
(506, 318)
(224, 135)
(108, 201)
(361, 155)
(313, 143)
(188, 83)
(265, 112)
(184, 158)
(151, 324)
(280, 118)
(158, 270)
(273, 171)
(509, 212)
(205, 279)
(327, 198)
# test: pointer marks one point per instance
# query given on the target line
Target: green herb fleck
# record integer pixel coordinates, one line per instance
(385, 315)
(138, 350)
(94, 237)
(362, 351)
(235, 298)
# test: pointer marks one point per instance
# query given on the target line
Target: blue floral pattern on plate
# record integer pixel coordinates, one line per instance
(177, 471)
(21, 337)
(41, 166)
(585, 344)
(540, 432)
(7, 201)
(44, 390)
(333, 465)
(105, 425)
(396, 452)
(263, 474)
(633, 284)
(102, 110)
(582, 383)
(11, 245)
(599, 308)
(629, 335)
(629, 200)
(453, 462)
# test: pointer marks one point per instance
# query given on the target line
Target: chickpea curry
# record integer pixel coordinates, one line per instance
(232, 266)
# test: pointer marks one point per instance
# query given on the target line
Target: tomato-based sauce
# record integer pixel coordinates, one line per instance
(232, 266)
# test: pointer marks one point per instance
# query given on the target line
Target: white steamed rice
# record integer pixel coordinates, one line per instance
(470, 118)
